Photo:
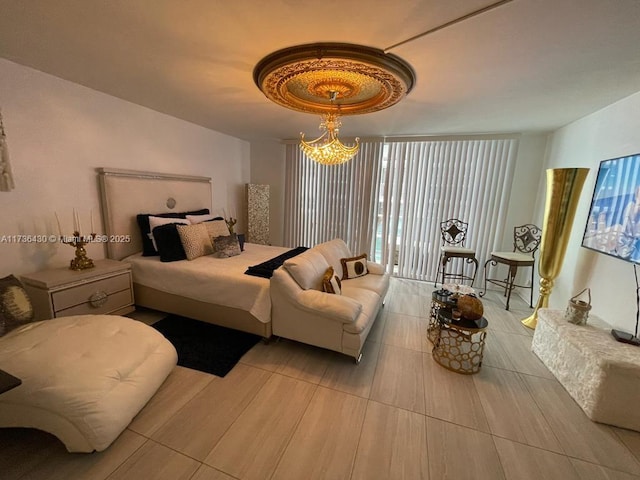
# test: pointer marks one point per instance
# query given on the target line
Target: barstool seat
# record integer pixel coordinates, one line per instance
(459, 251)
(522, 259)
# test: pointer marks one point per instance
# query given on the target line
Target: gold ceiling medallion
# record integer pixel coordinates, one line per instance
(333, 79)
(365, 78)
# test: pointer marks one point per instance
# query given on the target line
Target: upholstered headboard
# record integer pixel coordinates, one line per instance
(126, 193)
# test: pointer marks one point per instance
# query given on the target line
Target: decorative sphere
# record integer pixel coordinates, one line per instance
(470, 307)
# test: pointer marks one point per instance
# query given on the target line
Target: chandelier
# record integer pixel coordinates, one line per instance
(327, 149)
(333, 80)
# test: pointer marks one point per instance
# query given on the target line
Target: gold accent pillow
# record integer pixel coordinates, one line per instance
(195, 240)
(217, 228)
(331, 282)
(354, 267)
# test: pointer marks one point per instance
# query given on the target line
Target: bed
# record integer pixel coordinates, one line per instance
(213, 290)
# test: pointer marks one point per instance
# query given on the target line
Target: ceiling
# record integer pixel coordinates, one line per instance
(526, 66)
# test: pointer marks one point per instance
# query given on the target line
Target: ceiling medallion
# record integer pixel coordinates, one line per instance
(333, 79)
(366, 79)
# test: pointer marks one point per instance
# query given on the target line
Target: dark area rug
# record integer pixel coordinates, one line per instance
(203, 346)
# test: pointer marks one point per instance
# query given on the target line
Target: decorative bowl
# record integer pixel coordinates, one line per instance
(470, 307)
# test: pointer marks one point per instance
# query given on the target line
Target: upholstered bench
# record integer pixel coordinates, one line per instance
(84, 377)
(601, 374)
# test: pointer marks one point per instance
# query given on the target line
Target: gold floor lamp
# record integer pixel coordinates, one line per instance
(563, 192)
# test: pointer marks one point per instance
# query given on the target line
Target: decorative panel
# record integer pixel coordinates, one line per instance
(258, 213)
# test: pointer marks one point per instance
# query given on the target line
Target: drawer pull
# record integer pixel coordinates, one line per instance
(98, 299)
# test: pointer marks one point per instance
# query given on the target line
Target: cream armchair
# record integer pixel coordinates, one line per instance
(301, 311)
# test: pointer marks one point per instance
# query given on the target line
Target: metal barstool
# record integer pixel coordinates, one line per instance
(454, 233)
(526, 240)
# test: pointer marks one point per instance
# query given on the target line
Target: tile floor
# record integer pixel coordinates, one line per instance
(290, 411)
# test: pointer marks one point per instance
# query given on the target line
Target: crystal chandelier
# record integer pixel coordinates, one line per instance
(327, 149)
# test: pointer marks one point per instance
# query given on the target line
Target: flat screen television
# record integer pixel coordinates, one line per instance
(613, 225)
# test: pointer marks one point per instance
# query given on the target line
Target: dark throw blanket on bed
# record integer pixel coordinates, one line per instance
(265, 269)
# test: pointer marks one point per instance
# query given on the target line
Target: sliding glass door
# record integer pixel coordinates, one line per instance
(390, 199)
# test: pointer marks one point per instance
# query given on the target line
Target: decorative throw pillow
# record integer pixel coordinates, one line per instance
(148, 250)
(354, 267)
(217, 228)
(226, 246)
(195, 240)
(15, 307)
(169, 243)
(157, 221)
(331, 283)
(193, 219)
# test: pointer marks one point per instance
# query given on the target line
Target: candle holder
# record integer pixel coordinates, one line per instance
(230, 223)
(81, 261)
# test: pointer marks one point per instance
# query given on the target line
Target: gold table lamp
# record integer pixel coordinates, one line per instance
(563, 192)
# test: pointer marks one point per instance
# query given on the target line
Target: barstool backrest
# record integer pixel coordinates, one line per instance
(454, 232)
(526, 238)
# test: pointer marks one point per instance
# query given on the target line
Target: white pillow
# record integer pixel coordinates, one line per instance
(157, 221)
(195, 219)
(217, 228)
(307, 269)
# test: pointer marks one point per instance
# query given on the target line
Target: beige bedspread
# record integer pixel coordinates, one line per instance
(220, 281)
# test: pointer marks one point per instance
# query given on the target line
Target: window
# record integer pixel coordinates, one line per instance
(390, 199)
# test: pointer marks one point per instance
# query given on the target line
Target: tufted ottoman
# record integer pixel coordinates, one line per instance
(602, 375)
(84, 377)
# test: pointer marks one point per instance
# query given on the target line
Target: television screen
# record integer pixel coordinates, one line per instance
(613, 225)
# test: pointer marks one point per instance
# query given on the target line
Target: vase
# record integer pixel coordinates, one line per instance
(563, 193)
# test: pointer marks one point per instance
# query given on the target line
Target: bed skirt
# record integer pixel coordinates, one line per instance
(198, 310)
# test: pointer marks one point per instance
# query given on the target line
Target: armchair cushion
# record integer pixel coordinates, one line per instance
(307, 269)
(376, 283)
(368, 300)
(336, 307)
(333, 251)
(375, 268)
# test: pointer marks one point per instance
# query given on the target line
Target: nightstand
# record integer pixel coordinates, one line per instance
(61, 292)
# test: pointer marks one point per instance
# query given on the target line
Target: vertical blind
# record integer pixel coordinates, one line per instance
(325, 202)
(390, 199)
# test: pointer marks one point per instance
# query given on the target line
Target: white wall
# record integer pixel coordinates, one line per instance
(59, 132)
(268, 168)
(525, 186)
(608, 133)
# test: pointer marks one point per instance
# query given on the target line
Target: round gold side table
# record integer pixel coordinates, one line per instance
(459, 344)
(446, 298)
